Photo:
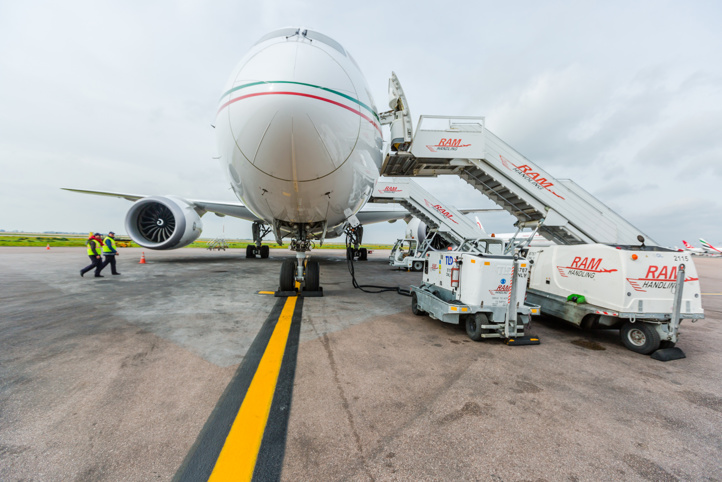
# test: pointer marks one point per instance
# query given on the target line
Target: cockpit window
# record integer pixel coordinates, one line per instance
(309, 34)
(281, 32)
(325, 39)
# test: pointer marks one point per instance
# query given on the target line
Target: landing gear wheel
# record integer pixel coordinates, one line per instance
(417, 266)
(312, 276)
(362, 254)
(473, 325)
(415, 306)
(640, 337)
(349, 253)
(264, 251)
(287, 281)
(250, 251)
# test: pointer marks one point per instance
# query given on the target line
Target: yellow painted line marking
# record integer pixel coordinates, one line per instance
(238, 456)
(712, 294)
(266, 292)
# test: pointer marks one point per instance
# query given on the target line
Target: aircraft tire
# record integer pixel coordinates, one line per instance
(313, 276)
(288, 276)
(250, 253)
(363, 254)
(264, 251)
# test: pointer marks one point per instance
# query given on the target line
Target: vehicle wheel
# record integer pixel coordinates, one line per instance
(666, 344)
(313, 277)
(288, 276)
(250, 251)
(264, 251)
(415, 306)
(349, 253)
(417, 266)
(363, 254)
(589, 322)
(640, 337)
(473, 325)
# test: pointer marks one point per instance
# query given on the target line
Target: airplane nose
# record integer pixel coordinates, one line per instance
(301, 126)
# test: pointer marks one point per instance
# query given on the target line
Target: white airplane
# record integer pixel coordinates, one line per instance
(300, 140)
(692, 250)
(709, 248)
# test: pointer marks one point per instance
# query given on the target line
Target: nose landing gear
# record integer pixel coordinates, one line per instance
(300, 276)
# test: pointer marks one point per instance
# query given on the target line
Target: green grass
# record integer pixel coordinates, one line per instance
(68, 240)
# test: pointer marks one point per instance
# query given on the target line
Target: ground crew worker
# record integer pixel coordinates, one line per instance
(110, 251)
(96, 262)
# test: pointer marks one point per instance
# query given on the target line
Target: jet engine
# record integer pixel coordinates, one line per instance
(163, 222)
(420, 231)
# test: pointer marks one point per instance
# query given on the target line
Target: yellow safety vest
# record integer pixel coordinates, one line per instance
(90, 247)
(106, 249)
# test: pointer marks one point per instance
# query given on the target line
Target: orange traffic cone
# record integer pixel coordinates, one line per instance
(47, 248)
(142, 258)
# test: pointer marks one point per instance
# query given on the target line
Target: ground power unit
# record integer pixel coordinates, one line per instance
(483, 292)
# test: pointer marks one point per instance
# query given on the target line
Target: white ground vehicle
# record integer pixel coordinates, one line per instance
(645, 290)
(483, 291)
(404, 254)
(562, 212)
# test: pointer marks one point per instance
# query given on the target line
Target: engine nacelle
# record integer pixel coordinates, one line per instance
(418, 230)
(163, 222)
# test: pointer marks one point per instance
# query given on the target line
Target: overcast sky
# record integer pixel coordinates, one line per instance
(625, 98)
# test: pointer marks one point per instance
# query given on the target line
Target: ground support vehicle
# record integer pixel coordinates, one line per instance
(484, 292)
(405, 254)
(646, 291)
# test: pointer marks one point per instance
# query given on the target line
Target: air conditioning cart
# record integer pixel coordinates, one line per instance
(484, 292)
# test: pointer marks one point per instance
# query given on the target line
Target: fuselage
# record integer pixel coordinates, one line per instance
(298, 132)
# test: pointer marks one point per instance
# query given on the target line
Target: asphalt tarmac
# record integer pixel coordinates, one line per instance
(119, 378)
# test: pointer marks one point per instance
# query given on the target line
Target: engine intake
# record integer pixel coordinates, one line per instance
(419, 230)
(163, 222)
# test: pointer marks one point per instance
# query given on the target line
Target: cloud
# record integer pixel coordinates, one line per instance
(622, 98)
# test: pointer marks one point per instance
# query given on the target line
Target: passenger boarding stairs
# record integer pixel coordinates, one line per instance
(563, 211)
(446, 221)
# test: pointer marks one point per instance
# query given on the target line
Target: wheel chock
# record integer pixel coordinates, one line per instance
(303, 293)
(523, 340)
(668, 354)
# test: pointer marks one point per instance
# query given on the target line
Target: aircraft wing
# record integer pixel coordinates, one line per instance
(370, 217)
(129, 197)
(236, 210)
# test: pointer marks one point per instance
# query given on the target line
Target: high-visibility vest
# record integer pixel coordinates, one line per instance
(106, 249)
(90, 247)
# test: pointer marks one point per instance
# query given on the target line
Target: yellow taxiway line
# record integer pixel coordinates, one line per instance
(237, 459)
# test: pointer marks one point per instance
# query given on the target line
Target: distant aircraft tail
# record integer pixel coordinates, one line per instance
(687, 245)
(706, 245)
(478, 223)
